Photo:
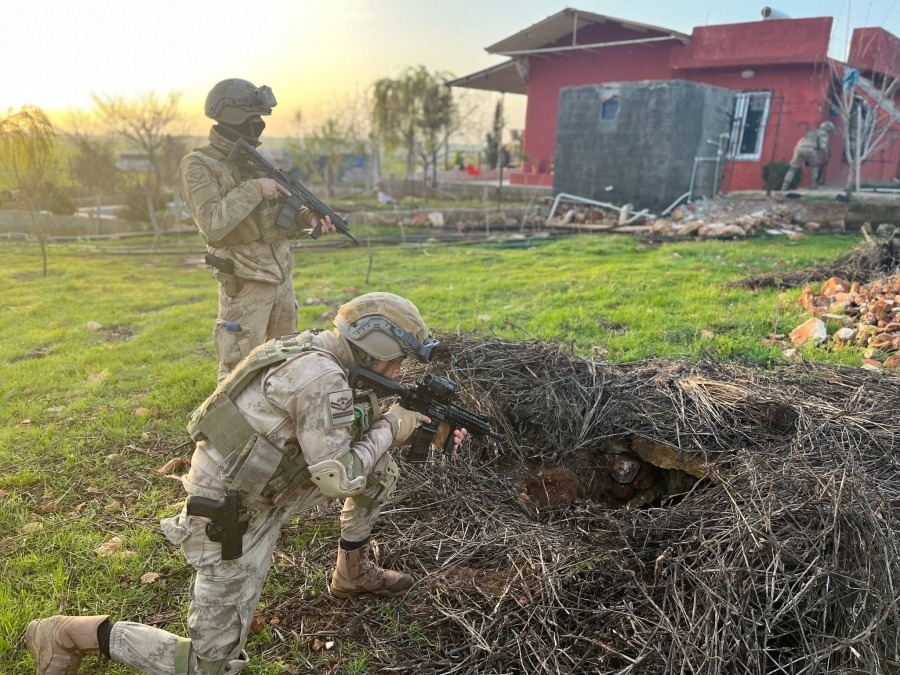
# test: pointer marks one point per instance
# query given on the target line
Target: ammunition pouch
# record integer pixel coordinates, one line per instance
(251, 464)
(260, 224)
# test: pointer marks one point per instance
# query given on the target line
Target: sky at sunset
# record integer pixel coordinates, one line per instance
(55, 53)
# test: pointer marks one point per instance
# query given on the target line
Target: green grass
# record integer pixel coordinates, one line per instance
(70, 435)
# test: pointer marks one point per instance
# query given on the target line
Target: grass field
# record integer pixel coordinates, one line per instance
(86, 417)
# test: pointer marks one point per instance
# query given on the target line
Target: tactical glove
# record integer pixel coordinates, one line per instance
(403, 422)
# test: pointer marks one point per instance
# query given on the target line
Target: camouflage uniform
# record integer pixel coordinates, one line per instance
(807, 150)
(257, 302)
(291, 403)
(291, 400)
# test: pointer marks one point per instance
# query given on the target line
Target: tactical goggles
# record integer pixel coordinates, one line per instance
(408, 343)
(262, 98)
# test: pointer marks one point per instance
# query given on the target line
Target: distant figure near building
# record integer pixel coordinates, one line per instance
(807, 150)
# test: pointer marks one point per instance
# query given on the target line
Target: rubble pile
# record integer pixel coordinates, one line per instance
(870, 315)
(718, 218)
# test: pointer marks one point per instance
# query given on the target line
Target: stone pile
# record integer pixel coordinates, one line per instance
(704, 218)
(870, 315)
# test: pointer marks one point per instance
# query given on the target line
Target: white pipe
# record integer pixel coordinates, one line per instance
(578, 200)
(525, 52)
(677, 202)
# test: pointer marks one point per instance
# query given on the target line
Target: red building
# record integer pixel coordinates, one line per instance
(780, 69)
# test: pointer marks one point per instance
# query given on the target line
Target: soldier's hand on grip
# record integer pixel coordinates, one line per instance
(403, 422)
(440, 438)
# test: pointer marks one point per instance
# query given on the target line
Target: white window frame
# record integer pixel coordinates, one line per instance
(741, 105)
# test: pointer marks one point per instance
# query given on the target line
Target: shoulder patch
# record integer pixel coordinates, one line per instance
(196, 177)
(340, 407)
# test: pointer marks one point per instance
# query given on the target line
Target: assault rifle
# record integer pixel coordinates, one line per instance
(245, 155)
(433, 396)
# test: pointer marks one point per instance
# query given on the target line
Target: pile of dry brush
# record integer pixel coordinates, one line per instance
(783, 560)
(869, 260)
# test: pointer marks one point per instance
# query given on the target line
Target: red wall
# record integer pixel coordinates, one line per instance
(787, 57)
(548, 74)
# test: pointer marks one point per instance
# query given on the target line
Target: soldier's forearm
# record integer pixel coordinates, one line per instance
(217, 219)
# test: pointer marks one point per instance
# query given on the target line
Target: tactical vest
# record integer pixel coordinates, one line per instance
(260, 224)
(250, 463)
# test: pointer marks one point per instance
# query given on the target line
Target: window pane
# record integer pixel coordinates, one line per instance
(755, 116)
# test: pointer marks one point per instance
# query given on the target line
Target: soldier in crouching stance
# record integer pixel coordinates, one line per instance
(278, 435)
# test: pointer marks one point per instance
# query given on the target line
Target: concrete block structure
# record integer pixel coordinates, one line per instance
(635, 142)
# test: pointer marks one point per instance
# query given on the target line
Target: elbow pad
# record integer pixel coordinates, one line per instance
(332, 476)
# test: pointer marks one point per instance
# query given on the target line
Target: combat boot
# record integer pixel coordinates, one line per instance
(356, 574)
(58, 643)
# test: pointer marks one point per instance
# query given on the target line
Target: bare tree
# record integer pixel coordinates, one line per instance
(94, 160)
(868, 112)
(145, 122)
(27, 144)
(436, 118)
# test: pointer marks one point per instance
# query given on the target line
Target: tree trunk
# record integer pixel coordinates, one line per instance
(154, 221)
(434, 161)
(329, 180)
(99, 200)
(425, 183)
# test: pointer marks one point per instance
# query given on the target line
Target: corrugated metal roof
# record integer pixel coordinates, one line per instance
(503, 78)
(547, 32)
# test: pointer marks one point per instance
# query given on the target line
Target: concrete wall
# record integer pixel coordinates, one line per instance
(647, 153)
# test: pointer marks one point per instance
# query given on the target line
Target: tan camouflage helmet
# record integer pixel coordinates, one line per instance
(386, 327)
(233, 101)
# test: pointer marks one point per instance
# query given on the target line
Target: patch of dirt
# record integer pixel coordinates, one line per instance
(118, 334)
(36, 353)
(491, 582)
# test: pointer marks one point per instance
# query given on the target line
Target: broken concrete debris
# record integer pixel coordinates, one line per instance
(706, 218)
(870, 315)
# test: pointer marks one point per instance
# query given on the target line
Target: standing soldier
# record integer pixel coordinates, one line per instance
(807, 150)
(283, 432)
(236, 210)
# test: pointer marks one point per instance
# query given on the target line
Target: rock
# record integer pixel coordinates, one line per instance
(436, 218)
(661, 226)
(791, 354)
(309, 302)
(625, 468)
(707, 334)
(892, 362)
(93, 325)
(871, 364)
(812, 331)
(483, 317)
(675, 255)
(844, 335)
(812, 227)
(873, 353)
(884, 229)
(149, 577)
(677, 214)
(854, 287)
(721, 230)
(690, 230)
(835, 285)
(795, 236)
(420, 220)
(670, 457)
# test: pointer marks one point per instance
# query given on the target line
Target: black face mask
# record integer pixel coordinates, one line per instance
(249, 129)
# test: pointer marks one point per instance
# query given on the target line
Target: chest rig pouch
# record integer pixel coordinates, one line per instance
(251, 464)
(260, 224)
